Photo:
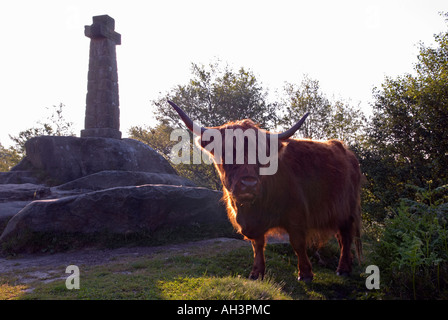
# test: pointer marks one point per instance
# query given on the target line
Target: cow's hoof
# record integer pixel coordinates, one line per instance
(255, 276)
(306, 279)
(344, 274)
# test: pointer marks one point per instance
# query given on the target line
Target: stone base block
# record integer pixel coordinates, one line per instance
(101, 133)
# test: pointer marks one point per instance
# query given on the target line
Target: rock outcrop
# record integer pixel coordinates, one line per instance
(110, 179)
(121, 210)
(14, 197)
(98, 183)
(56, 160)
(87, 186)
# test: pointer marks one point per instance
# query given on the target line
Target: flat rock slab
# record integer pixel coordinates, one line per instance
(120, 210)
(22, 192)
(110, 179)
(14, 197)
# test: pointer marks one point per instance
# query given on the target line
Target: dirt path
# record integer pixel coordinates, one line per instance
(28, 268)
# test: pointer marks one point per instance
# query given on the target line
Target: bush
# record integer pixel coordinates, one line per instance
(412, 253)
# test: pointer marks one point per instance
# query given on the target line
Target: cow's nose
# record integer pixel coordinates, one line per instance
(249, 181)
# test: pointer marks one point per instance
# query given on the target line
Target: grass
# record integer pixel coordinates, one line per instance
(216, 271)
(10, 292)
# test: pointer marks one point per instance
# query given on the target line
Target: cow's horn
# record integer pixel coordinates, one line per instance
(288, 133)
(188, 122)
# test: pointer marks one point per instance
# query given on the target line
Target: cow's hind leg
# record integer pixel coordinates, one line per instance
(259, 261)
(305, 270)
(345, 239)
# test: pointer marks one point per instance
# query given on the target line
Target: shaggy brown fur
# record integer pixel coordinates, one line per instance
(314, 193)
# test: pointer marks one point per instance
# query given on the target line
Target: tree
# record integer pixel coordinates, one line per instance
(217, 94)
(327, 120)
(159, 139)
(9, 157)
(56, 125)
(411, 117)
(407, 141)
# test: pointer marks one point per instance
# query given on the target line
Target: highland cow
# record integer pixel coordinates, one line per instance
(313, 193)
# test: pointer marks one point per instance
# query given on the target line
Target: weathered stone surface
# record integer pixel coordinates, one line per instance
(119, 210)
(8, 210)
(17, 177)
(111, 179)
(62, 159)
(21, 192)
(14, 197)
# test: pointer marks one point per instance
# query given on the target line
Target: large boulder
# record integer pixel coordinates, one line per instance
(59, 159)
(110, 179)
(14, 197)
(121, 210)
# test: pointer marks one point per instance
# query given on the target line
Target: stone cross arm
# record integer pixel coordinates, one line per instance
(103, 27)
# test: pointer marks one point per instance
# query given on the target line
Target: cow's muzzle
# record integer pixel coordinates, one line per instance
(247, 190)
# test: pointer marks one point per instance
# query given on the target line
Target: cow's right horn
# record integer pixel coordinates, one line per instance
(188, 122)
(288, 133)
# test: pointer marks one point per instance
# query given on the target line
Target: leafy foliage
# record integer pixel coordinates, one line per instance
(413, 251)
(56, 125)
(407, 139)
(327, 120)
(217, 94)
(411, 117)
(9, 157)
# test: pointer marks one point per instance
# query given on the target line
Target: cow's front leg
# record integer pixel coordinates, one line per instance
(345, 240)
(299, 244)
(259, 262)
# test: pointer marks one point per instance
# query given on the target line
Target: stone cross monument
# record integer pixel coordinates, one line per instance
(102, 101)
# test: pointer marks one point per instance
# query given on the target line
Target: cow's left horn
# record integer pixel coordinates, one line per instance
(288, 133)
(188, 122)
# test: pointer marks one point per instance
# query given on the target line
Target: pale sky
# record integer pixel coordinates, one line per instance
(349, 46)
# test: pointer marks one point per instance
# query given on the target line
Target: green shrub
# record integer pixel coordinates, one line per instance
(412, 253)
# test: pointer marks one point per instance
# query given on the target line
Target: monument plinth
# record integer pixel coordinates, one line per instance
(102, 102)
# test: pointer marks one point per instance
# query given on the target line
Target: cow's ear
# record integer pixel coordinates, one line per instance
(281, 145)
